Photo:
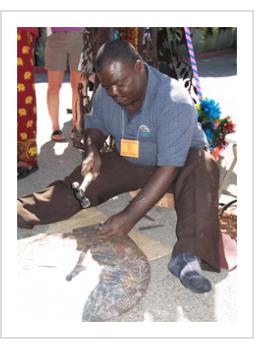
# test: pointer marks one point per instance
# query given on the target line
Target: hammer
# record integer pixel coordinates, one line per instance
(79, 190)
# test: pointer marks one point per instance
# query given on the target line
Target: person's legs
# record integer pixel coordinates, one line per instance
(196, 202)
(57, 201)
(75, 78)
(74, 48)
(56, 64)
(55, 79)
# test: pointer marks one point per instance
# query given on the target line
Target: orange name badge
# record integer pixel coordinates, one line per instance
(129, 148)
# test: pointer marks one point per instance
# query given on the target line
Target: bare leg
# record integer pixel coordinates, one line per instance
(55, 79)
(75, 78)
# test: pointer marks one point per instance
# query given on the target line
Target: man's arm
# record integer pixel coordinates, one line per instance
(149, 195)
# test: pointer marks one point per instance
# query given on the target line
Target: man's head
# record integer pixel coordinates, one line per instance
(121, 72)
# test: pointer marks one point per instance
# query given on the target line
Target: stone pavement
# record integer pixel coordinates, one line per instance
(166, 299)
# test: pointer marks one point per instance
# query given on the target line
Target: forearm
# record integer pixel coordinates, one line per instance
(151, 193)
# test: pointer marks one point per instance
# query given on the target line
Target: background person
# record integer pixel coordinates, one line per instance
(64, 46)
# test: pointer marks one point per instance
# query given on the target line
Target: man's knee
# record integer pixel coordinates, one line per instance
(25, 219)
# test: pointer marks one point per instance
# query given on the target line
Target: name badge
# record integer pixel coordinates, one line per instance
(129, 148)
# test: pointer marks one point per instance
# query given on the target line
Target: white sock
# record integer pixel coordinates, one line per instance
(192, 266)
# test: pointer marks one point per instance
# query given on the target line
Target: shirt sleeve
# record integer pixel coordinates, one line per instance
(175, 133)
(95, 119)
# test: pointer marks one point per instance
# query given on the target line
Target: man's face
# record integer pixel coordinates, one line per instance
(123, 82)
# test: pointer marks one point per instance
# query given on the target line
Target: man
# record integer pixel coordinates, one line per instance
(159, 147)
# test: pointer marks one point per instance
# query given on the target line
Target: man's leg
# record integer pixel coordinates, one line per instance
(57, 201)
(196, 203)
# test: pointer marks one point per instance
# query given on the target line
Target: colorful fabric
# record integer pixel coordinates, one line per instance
(130, 35)
(26, 98)
(33, 30)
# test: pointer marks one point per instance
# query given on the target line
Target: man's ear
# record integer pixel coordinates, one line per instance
(139, 65)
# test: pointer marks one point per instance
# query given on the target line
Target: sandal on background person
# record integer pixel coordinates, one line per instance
(58, 136)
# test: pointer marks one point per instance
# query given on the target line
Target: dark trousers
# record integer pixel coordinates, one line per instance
(195, 191)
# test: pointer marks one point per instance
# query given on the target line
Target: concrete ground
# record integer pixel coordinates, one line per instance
(166, 299)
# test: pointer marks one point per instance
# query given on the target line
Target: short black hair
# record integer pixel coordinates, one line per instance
(116, 50)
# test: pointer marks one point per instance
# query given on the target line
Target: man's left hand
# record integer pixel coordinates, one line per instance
(117, 225)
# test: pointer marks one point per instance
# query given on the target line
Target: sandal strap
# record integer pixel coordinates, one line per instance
(56, 132)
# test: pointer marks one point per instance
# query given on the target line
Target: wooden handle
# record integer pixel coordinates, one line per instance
(87, 180)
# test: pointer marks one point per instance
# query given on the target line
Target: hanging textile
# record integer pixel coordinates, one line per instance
(26, 96)
(131, 35)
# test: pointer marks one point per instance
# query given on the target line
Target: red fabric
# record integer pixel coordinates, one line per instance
(26, 98)
(33, 30)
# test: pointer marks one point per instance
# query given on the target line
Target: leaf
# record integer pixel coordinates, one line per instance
(186, 84)
(195, 89)
(182, 71)
(185, 75)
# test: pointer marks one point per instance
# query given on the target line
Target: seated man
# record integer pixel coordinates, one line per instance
(159, 147)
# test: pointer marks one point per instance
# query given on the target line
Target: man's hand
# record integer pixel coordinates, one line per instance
(117, 225)
(123, 222)
(92, 163)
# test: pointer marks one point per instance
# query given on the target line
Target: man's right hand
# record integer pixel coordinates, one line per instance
(92, 163)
